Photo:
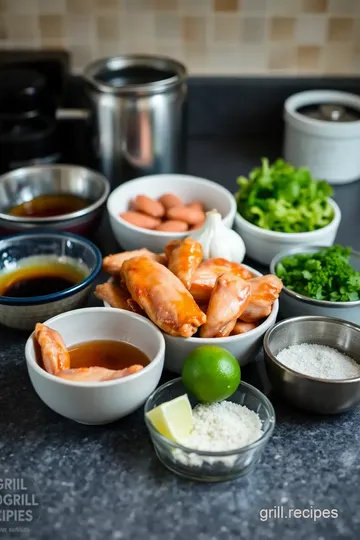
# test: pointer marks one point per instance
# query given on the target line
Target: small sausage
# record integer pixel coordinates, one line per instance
(192, 216)
(140, 220)
(196, 204)
(148, 206)
(172, 225)
(197, 226)
(169, 200)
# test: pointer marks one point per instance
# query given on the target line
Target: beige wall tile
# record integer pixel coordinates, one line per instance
(140, 26)
(80, 6)
(201, 7)
(52, 6)
(51, 26)
(226, 5)
(193, 30)
(252, 59)
(254, 29)
(166, 4)
(225, 28)
(251, 6)
(343, 7)
(136, 5)
(107, 27)
(80, 29)
(311, 30)
(308, 58)
(109, 48)
(167, 27)
(341, 29)
(23, 7)
(3, 31)
(213, 36)
(22, 27)
(282, 28)
(50, 43)
(315, 6)
(114, 5)
(284, 7)
(81, 56)
(282, 57)
(338, 58)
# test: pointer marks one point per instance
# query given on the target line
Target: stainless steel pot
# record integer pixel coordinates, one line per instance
(137, 115)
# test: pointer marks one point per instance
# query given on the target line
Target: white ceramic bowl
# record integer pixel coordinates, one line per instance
(188, 188)
(244, 346)
(293, 304)
(263, 245)
(107, 401)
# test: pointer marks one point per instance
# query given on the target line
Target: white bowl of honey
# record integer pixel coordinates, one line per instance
(85, 370)
(43, 274)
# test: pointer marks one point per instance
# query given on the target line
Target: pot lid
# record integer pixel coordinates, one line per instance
(330, 112)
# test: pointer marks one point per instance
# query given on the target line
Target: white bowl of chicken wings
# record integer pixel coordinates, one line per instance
(193, 301)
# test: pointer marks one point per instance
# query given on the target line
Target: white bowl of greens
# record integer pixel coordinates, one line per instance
(281, 207)
(319, 280)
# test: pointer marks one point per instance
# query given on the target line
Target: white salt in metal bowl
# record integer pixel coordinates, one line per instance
(310, 393)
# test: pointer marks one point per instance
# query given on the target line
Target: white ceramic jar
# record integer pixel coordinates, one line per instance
(328, 142)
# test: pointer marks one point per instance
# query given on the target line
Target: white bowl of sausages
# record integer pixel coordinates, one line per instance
(152, 210)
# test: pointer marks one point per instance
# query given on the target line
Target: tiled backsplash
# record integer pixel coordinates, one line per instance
(227, 37)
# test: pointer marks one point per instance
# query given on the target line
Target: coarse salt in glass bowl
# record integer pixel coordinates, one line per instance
(211, 466)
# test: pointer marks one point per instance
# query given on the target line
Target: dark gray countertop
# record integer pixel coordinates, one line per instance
(106, 482)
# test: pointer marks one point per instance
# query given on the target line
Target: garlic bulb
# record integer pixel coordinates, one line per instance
(219, 241)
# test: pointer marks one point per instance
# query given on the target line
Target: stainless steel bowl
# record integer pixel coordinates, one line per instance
(295, 304)
(309, 393)
(21, 185)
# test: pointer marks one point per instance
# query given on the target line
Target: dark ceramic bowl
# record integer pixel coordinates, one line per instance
(15, 251)
(23, 185)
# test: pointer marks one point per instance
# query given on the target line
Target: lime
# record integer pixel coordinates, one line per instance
(210, 373)
(173, 419)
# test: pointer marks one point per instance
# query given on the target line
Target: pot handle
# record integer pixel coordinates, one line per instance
(72, 114)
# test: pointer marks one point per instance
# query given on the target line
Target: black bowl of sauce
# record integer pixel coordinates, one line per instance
(42, 267)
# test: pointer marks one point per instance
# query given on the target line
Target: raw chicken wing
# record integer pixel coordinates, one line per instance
(243, 327)
(184, 256)
(162, 296)
(113, 263)
(54, 353)
(117, 297)
(264, 291)
(207, 273)
(56, 360)
(97, 374)
(228, 300)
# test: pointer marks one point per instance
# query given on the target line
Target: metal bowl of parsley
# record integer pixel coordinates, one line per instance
(281, 207)
(319, 280)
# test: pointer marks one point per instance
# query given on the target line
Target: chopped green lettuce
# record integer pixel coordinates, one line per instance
(282, 198)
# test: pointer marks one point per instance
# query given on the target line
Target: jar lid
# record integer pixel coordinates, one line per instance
(22, 92)
(330, 112)
(325, 113)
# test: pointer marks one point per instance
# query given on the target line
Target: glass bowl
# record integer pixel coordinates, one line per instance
(211, 466)
(24, 312)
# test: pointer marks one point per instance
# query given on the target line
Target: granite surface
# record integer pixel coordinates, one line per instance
(106, 482)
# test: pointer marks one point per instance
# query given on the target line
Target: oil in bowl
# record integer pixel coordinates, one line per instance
(40, 276)
(45, 206)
